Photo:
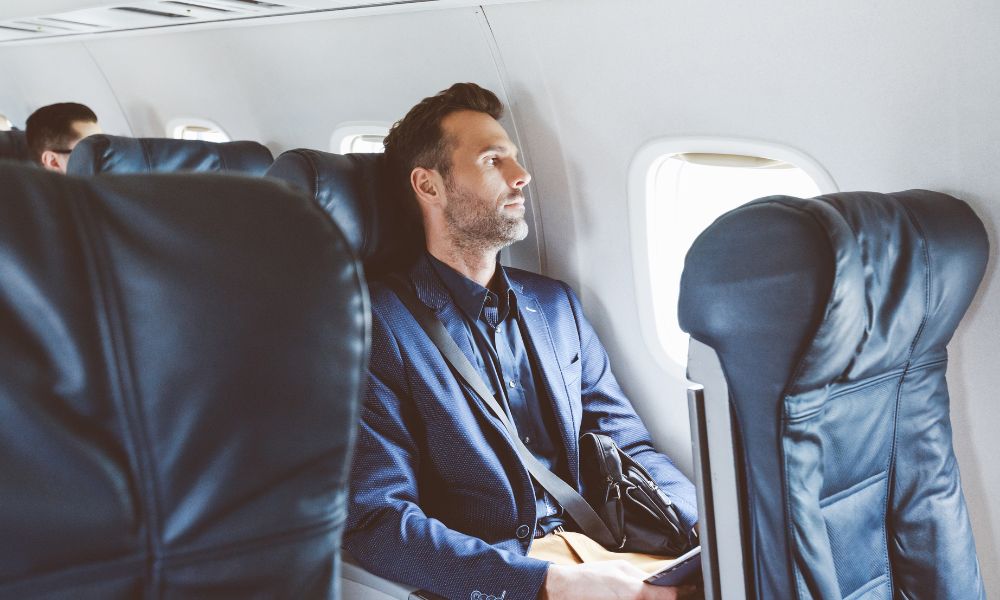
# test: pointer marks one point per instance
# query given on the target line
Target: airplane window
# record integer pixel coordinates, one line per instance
(683, 191)
(358, 137)
(196, 129)
(362, 143)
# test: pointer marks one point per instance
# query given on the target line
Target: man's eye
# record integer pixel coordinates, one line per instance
(492, 161)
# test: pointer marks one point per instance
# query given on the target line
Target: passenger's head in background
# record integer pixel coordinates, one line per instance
(454, 159)
(54, 130)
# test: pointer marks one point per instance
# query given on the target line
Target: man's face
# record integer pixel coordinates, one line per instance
(484, 206)
(56, 159)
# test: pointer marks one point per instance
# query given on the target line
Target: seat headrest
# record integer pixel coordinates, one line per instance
(356, 190)
(115, 154)
(182, 357)
(842, 282)
(14, 145)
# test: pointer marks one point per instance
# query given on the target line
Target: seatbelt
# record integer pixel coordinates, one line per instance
(568, 498)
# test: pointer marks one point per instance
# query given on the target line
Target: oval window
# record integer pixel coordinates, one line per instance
(359, 136)
(196, 129)
(677, 188)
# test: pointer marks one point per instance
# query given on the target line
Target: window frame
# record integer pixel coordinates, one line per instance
(350, 129)
(173, 125)
(641, 187)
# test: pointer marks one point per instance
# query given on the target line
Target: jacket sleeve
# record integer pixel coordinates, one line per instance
(606, 410)
(386, 530)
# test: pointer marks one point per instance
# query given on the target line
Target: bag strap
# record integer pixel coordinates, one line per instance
(567, 497)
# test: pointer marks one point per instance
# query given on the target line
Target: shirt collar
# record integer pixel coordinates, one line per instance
(469, 295)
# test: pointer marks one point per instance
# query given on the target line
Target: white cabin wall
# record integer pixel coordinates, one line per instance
(883, 96)
(33, 76)
(290, 85)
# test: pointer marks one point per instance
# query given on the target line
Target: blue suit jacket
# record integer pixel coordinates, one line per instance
(439, 498)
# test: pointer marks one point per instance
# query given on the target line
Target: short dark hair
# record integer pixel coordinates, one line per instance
(417, 139)
(51, 127)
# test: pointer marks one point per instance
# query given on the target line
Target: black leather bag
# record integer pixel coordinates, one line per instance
(639, 515)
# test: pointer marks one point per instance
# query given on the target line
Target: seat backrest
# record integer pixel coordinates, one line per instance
(181, 358)
(356, 190)
(116, 154)
(830, 317)
(14, 145)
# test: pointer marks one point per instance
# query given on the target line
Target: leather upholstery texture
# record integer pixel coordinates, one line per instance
(115, 154)
(14, 145)
(181, 358)
(831, 318)
(355, 190)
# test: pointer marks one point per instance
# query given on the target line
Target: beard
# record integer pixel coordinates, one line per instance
(476, 223)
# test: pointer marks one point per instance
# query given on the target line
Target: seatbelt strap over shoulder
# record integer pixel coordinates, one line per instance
(567, 497)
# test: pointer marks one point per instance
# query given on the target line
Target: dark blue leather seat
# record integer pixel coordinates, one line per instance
(181, 358)
(354, 189)
(14, 145)
(830, 317)
(115, 154)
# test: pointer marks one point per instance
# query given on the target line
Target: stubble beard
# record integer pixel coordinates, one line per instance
(476, 226)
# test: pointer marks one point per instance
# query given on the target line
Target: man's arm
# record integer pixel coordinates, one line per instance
(606, 410)
(386, 531)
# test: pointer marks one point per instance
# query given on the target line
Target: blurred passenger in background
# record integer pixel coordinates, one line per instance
(54, 130)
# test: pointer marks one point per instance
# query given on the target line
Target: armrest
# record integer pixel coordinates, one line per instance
(358, 584)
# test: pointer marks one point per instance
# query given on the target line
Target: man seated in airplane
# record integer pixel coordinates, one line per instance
(440, 499)
(54, 130)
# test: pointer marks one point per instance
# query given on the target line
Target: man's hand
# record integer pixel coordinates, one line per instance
(610, 580)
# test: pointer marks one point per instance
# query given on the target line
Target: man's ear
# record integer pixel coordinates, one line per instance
(428, 186)
(50, 160)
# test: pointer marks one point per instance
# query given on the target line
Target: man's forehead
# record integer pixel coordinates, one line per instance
(476, 132)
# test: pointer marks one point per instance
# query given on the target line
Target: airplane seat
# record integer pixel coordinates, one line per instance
(14, 146)
(178, 388)
(353, 189)
(829, 319)
(118, 154)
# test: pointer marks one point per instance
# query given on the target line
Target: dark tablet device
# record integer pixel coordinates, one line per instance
(686, 569)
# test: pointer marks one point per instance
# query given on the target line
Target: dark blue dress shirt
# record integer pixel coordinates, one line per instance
(505, 360)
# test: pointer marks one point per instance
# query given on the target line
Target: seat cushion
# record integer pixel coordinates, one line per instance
(180, 362)
(14, 146)
(831, 318)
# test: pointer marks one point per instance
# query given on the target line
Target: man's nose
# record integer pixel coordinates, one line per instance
(518, 177)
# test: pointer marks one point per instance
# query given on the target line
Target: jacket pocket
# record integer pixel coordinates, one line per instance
(571, 370)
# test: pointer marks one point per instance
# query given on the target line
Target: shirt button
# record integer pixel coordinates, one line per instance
(523, 532)
(512, 383)
(498, 329)
(527, 439)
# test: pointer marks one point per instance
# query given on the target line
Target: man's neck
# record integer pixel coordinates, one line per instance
(479, 266)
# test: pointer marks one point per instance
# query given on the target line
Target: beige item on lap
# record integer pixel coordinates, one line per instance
(571, 548)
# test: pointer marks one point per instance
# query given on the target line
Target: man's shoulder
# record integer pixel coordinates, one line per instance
(534, 282)
(546, 289)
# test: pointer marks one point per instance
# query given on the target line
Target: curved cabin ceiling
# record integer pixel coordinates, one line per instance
(26, 20)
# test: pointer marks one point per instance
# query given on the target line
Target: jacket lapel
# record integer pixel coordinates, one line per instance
(540, 339)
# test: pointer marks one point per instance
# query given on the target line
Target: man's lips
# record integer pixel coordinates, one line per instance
(517, 200)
